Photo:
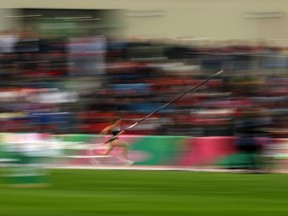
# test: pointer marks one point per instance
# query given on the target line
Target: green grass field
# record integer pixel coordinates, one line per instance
(107, 192)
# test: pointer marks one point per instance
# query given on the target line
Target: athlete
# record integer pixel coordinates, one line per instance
(113, 130)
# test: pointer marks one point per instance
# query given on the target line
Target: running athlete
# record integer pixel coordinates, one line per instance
(113, 130)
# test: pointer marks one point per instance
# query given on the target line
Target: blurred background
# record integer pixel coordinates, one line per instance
(71, 70)
(69, 67)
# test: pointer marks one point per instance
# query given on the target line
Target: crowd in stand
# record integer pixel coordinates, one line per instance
(76, 85)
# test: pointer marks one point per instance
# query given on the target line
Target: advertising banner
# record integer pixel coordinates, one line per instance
(169, 151)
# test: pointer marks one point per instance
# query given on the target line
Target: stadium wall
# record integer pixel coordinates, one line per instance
(218, 19)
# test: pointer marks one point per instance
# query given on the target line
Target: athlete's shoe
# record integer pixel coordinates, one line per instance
(129, 162)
